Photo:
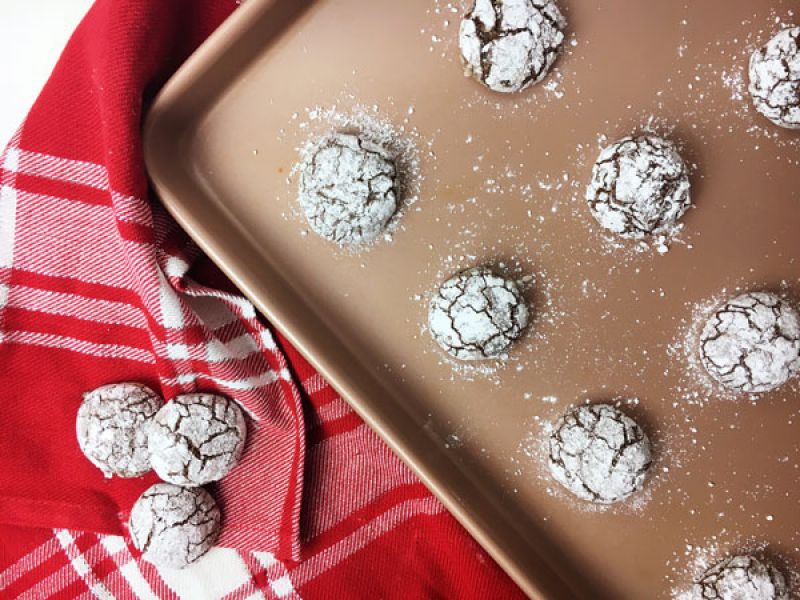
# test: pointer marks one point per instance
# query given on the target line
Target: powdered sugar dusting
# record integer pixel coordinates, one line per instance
(477, 315)
(722, 66)
(599, 454)
(698, 386)
(775, 78)
(752, 343)
(668, 447)
(541, 307)
(559, 84)
(400, 142)
(771, 577)
(512, 44)
(639, 187)
(349, 188)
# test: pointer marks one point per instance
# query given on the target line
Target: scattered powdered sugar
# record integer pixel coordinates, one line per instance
(734, 81)
(690, 564)
(722, 65)
(551, 198)
(775, 78)
(443, 38)
(511, 44)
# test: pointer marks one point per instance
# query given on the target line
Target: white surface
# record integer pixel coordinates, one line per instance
(32, 35)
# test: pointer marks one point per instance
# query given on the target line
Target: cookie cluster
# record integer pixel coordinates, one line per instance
(126, 430)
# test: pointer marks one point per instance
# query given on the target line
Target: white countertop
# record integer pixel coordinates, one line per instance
(32, 35)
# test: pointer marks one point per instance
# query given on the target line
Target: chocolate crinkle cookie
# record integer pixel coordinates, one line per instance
(173, 526)
(111, 427)
(775, 79)
(599, 454)
(349, 188)
(509, 45)
(752, 343)
(477, 314)
(639, 187)
(196, 439)
(741, 577)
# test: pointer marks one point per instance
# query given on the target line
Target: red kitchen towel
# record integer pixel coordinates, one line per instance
(96, 288)
(370, 530)
(98, 284)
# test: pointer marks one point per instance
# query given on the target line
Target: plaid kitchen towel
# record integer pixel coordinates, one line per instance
(97, 285)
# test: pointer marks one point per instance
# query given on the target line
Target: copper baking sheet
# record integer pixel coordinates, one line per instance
(501, 179)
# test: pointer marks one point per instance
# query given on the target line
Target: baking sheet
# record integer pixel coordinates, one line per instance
(500, 180)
